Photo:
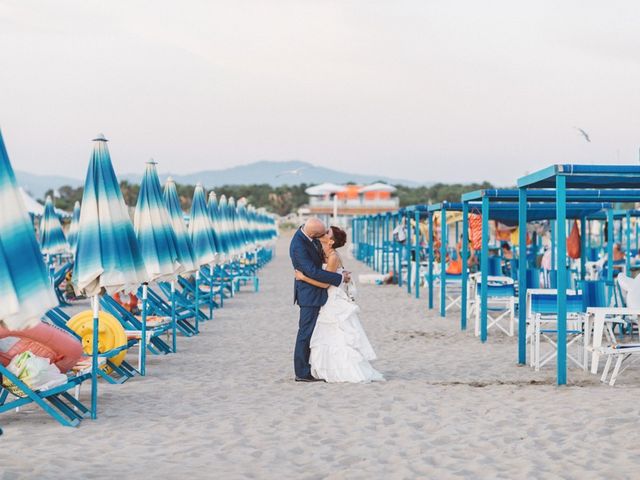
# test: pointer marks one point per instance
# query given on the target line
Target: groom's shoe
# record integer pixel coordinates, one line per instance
(308, 379)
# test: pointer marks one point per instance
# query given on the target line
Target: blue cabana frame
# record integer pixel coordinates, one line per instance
(563, 178)
(509, 212)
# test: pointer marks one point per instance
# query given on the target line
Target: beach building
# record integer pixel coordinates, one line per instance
(347, 201)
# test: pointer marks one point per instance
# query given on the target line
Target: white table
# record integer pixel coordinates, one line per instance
(597, 317)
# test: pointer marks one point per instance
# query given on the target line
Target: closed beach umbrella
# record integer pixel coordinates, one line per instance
(157, 241)
(152, 225)
(52, 241)
(107, 254)
(25, 289)
(202, 239)
(232, 213)
(201, 231)
(227, 226)
(176, 216)
(218, 230)
(72, 237)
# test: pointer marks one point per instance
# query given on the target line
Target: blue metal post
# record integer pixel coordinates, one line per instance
(400, 254)
(95, 304)
(561, 222)
(417, 252)
(386, 243)
(143, 340)
(395, 246)
(484, 269)
(522, 276)
(173, 315)
(553, 243)
(465, 261)
(628, 250)
(430, 266)
(197, 300)
(610, 243)
(408, 250)
(443, 261)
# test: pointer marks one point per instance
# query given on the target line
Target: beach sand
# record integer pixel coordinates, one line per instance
(226, 406)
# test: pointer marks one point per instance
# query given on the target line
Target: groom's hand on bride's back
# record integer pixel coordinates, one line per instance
(346, 276)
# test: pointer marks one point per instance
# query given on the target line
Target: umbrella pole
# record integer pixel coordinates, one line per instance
(210, 292)
(173, 314)
(143, 340)
(95, 305)
(197, 298)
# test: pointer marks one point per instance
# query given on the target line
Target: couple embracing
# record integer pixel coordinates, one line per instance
(331, 345)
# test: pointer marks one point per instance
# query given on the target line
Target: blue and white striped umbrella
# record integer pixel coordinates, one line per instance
(25, 289)
(227, 226)
(107, 255)
(237, 227)
(183, 240)
(154, 231)
(52, 241)
(216, 223)
(201, 231)
(72, 237)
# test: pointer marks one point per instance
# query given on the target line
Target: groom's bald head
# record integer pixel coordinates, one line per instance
(314, 227)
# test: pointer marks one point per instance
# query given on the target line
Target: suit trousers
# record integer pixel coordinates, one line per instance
(308, 317)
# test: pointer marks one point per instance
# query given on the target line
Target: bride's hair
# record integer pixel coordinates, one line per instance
(339, 237)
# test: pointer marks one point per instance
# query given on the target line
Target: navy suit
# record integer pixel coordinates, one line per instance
(306, 257)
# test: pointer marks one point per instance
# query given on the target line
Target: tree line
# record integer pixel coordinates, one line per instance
(280, 200)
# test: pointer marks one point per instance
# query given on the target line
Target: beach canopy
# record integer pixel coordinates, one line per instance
(52, 240)
(72, 237)
(324, 189)
(176, 216)
(201, 230)
(35, 208)
(378, 187)
(107, 255)
(156, 238)
(25, 288)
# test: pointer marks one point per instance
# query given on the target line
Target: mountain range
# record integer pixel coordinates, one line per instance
(274, 173)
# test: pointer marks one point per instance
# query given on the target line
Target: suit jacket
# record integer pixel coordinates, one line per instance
(306, 258)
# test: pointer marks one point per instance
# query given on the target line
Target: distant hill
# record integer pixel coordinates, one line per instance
(37, 185)
(270, 172)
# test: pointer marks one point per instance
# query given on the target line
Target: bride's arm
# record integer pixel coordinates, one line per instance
(303, 278)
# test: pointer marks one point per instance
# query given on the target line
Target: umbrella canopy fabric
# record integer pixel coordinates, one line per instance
(25, 288)
(216, 223)
(226, 224)
(52, 239)
(235, 227)
(72, 237)
(156, 238)
(201, 231)
(176, 216)
(107, 255)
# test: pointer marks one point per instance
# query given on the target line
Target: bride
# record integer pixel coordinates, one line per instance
(340, 349)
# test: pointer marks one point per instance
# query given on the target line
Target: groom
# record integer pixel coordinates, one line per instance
(306, 255)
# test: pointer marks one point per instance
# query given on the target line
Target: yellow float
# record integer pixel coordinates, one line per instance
(111, 334)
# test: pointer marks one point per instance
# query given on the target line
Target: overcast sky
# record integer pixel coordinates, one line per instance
(433, 91)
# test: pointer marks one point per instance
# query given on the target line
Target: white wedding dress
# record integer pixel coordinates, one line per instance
(340, 349)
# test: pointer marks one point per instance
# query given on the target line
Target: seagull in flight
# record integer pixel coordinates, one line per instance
(584, 134)
(296, 172)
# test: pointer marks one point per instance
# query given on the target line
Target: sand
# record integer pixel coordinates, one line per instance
(226, 407)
